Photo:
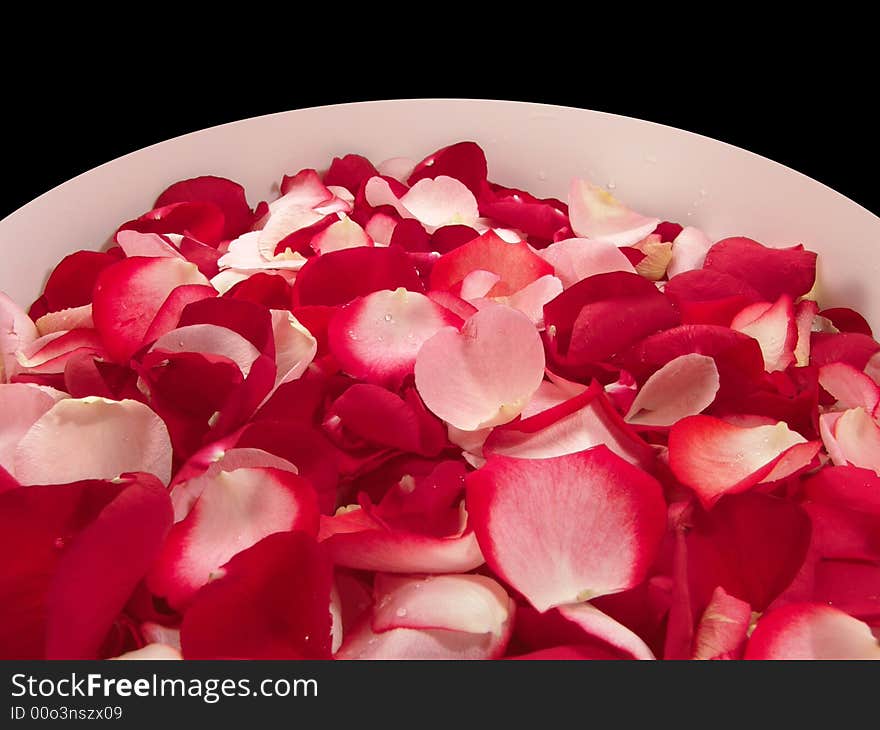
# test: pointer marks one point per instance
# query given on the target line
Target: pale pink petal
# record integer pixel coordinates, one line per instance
(689, 251)
(827, 426)
(400, 168)
(547, 396)
(380, 228)
(574, 259)
(598, 215)
(530, 300)
(805, 314)
(151, 652)
(418, 644)
(442, 201)
(485, 374)
(17, 330)
(228, 278)
(683, 387)
(154, 633)
(775, 329)
(66, 319)
(93, 438)
(471, 603)
(210, 339)
(723, 627)
(477, 284)
(601, 626)
(295, 347)
(245, 254)
(21, 406)
(153, 245)
(50, 353)
(468, 441)
(378, 193)
(851, 387)
(342, 234)
(811, 631)
(857, 436)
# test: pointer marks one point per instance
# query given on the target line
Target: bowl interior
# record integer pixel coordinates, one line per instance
(656, 169)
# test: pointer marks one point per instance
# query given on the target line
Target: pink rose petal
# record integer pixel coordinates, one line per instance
(574, 259)
(483, 375)
(775, 329)
(685, 386)
(598, 215)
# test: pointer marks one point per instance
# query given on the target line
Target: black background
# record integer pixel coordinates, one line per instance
(74, 105)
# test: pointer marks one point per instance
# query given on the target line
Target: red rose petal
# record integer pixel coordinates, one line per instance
(542, 218)
(201, 220)
(706, 296)
(376, 338)
(341, 276)
(251, 321)
(567, 529)
(811, 631)
(850, 347)
(603, 315)
(269, 290)
(72, 281)
(850, 387)
(483, 375)
(772, 271)
(168, 316)
(350, 171)
(847, 320)
(272, 602)
(464, 161)
(227, 195)
(235, 510)
(129, 294)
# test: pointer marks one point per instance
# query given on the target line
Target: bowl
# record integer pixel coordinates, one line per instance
(656, 169)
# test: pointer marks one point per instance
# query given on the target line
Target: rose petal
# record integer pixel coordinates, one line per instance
(342, 234)
(130, 293)
(575, 259)
(66, 319)
(689, 250)
(209, 339)
(598, 215)
(850, 387)
(473, 604)
(151, 652)
(147, 244)
(108, 438)
(376, 338)
(483, 375)
(683, 387)
(272, 602)
(811, 631)
(775, 329)
(234, 510)
(847, 320)
(723, 628)
(227, 195)
(773, 272)
(574, 425)
(566, 529)
(17, 331)
(464, 161)
(714, 458)
(856, 439)
(72, 281)
(514, 263)
(22, 405)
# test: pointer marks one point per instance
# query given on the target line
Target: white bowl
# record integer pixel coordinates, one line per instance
(656, 169)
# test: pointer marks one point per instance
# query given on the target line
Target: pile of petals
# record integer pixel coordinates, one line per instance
(404, 412)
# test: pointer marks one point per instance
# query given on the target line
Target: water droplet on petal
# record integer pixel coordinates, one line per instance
(59, 543)
(388, 318)
(401, 612)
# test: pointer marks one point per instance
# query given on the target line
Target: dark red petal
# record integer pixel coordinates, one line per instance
(203, 221)
(71, 282)
(270, 290)
(410, 235)
(846, 487)
(668, 231)
(542, 218)
(251, 321)
(465, 161)
(100, 570)
(570, 653)
(447, 238)
(273, 602)
(514, 264)
(569, 528)
(340, 276)
(852, 348)
(604, 315)
(351, 172)
(705, 296)
(847, 320)
(752, 545)
(851, 586)
(772, 271)
(227, 195)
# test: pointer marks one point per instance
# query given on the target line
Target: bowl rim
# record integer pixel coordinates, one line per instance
(421, 100)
